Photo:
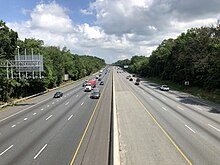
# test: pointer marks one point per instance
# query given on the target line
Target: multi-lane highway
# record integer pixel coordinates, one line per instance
(158, 127)
(155, 127)
(73, 129)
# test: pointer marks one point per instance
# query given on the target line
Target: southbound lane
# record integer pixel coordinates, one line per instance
(48, 132)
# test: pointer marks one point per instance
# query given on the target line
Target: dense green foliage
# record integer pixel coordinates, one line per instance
(57, 62)
(193, 56)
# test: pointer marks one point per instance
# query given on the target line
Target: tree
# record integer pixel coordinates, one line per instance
(8, 39)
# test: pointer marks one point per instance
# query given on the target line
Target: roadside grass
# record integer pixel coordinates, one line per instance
(213, 96)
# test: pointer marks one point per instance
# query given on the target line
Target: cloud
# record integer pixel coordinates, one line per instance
(51, 17)
(122, 27)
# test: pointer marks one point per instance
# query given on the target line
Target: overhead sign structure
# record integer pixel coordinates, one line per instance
(31, 65)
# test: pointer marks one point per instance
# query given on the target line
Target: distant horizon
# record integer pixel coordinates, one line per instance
(111, 30)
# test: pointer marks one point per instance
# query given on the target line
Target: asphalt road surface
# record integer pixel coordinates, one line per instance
(165, 127)
(44, 130)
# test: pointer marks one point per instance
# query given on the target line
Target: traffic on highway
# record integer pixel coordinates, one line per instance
(73, 125)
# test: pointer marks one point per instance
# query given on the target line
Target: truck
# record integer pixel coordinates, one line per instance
(92, 82)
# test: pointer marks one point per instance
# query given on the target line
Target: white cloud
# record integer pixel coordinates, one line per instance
(51, 17)
(122, 27)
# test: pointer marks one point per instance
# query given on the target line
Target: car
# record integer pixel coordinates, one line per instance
(101, 83)
(131, 79)
(95, 93)
(58, 95)
(137, 82)
(164, 88)
(84, 83)
(88, 88)
(99, 79)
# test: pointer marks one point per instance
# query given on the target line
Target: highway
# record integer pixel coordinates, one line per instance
(155, 127)
(160, 127)
(46, 130)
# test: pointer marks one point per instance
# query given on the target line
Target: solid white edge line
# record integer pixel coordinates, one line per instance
(214, 127)
(40, 151)
(190, 129)
(49, 117)
(6, 150)
(70, 117)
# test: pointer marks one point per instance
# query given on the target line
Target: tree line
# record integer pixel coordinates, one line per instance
(57, 62)
(193, 56)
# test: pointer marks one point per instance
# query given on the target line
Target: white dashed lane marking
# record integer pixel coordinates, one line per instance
(25, 119)
(13, 126)
(70, 117)
(164, 109)
(40, 151)
(49, 117)
(214, 127)
(6, 150)
(190, 129)
(34, 113)
(180, 108)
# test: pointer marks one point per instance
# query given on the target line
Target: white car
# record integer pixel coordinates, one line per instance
(88, 88)
(164, 88)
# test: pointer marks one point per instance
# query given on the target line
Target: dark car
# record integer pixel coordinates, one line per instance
(84, 83)
(95, 93)
(131, 79)
(137, 82)
(101, 83)
(58, 95)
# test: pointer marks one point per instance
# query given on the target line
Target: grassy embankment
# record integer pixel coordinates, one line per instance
(198, 92)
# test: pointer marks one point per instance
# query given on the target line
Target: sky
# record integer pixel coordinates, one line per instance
(109, 29)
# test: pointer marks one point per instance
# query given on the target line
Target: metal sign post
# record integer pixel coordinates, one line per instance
(24, 64)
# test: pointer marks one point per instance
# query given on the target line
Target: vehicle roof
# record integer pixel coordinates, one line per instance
(96, 90)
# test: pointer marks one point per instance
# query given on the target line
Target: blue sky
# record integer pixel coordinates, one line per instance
(110, 29)
(11, 10)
